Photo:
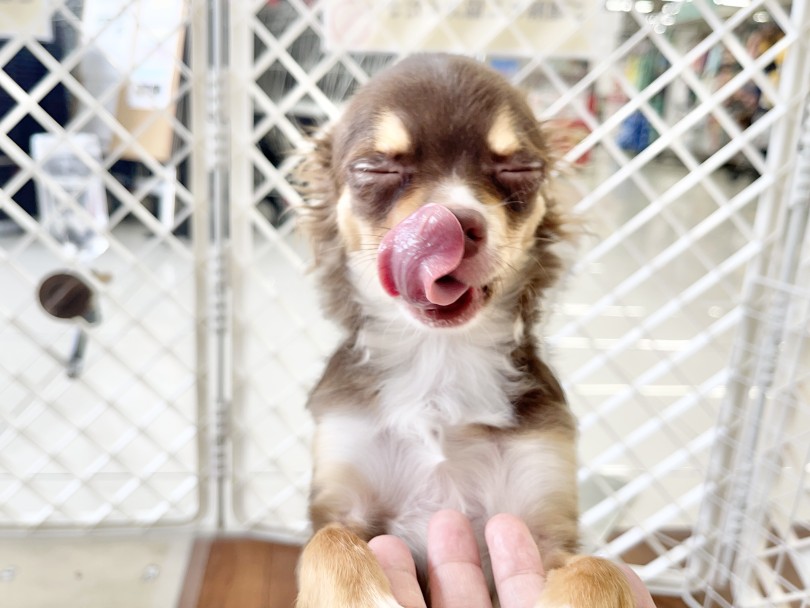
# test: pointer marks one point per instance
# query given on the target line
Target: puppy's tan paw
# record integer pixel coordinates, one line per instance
(587, 582)
(338, 570)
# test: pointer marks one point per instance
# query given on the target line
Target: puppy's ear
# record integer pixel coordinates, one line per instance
(315, 176)
(562, 135)
(317, 182)
(562, 222)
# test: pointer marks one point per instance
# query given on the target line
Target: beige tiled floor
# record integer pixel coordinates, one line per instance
(92, 573)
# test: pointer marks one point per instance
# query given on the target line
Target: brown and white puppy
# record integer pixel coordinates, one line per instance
(434, 235)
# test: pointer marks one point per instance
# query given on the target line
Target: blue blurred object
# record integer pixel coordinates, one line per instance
(634, 134)
(507, 67)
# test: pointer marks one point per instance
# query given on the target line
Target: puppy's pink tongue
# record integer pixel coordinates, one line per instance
(418, 254)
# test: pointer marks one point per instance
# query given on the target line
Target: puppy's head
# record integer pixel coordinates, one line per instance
(428, 198)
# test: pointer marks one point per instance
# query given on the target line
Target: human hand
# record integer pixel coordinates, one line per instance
(455, 576)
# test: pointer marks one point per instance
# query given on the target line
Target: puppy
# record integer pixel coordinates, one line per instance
(434, 236)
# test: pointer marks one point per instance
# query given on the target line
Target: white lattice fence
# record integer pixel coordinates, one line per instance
(648, 333)
(95, 158)
(681, 335)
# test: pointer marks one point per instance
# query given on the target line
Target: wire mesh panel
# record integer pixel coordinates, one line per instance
(100, 298)
(750, 546)
(679, 137)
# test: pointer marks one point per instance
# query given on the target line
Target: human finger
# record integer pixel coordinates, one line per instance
(516, 563)
(454, 565)
(397, 564)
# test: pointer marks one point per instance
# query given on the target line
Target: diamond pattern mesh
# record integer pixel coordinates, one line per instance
(681, 136)
(111, 437)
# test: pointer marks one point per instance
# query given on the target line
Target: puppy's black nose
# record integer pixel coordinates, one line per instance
(475, 230)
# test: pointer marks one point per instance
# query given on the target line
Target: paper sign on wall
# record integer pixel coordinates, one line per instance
(109, 27)
(137, 48)
(157, 44)
(141, 37)
(26, 17)
(562, 28)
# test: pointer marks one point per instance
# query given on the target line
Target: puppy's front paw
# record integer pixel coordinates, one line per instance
(338, 570)
(587, 582)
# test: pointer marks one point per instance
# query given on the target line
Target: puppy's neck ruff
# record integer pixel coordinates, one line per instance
(431, 379)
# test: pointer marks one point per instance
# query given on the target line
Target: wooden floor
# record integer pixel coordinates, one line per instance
(249, 573)
(240, 573)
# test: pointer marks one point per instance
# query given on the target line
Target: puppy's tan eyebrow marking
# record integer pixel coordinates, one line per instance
(502, 138)
(390, 135)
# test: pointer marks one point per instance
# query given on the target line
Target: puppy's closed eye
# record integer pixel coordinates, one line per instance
(518, 179)
(374, 166)
(520, 173)
(378, 180)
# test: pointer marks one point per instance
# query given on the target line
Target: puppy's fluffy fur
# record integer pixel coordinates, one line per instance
(434, 234)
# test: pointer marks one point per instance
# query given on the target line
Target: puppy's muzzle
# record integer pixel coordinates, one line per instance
(432, 260)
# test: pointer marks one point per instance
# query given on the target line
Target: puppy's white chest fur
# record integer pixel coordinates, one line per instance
(434, 381)
(424, 447)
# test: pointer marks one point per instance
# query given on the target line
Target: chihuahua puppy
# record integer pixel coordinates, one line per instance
(434, 229)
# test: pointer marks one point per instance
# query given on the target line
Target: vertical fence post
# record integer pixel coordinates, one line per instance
(201, 233)
(772, 410)
(218, 173)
